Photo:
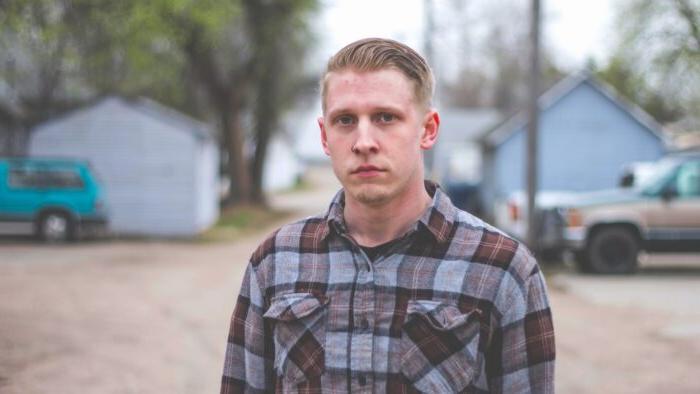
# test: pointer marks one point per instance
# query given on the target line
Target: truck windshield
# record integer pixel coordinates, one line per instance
(655, 182)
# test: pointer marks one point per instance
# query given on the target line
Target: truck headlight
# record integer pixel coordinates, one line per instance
(513, 211)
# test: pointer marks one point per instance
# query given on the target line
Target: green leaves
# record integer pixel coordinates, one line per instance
(659, 51)
(214, 59)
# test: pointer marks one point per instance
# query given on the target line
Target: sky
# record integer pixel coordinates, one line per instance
(575, 30)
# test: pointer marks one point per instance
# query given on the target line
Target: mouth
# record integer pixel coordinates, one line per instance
(367, 171)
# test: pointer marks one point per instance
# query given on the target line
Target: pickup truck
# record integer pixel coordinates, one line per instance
(606, 230)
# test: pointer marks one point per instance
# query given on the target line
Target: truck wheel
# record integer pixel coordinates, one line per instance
(613, 250)
(55, 227)
(581, 260)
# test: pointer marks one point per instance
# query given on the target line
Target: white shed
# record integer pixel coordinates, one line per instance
(159, 168)
(283, 168)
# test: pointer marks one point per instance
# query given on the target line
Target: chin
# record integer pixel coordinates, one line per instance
(371, 194)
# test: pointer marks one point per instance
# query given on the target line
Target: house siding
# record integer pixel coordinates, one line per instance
(585, 140)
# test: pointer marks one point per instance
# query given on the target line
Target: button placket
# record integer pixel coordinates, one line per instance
(362, 336)
(362, 379)
(364, 324)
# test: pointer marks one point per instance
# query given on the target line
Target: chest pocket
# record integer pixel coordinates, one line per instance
(439, 344)
(299, 335)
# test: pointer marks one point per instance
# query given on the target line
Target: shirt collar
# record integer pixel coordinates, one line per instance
(438, 219)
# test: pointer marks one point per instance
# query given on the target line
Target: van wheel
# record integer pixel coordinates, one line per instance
(55, 227)
(613, 250)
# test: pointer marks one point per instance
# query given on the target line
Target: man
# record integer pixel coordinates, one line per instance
(393, 289)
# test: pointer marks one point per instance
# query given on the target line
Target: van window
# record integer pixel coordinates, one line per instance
(39, 178)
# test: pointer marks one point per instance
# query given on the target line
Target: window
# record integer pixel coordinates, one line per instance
(21, 178)
(42, 178)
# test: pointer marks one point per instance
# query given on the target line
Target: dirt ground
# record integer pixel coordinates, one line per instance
(152, 317)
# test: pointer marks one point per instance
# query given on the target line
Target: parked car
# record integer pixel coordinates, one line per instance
(465, 195)
(511, 217)
(606, 230)
(56, 199)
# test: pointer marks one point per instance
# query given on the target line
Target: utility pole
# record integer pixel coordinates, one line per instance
(429, 29)
(429, 158)
(532, 125)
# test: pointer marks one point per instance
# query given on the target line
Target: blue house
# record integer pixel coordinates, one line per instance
(587, 134)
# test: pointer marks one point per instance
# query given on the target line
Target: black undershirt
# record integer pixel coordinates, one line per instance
(377, 251)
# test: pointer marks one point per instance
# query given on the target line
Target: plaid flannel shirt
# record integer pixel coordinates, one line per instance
(454, 306)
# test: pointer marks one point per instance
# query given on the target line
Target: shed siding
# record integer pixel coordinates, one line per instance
(207, 186)
(282, 168)
(585, 140)
(166, 171)
(147, 166)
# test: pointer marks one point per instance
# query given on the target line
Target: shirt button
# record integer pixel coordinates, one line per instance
(364, 324)
(362, 380)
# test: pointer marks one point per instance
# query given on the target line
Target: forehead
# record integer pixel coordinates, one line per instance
(385, 87)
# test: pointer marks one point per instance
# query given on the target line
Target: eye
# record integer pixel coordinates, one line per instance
(385, 117)
(344, 120)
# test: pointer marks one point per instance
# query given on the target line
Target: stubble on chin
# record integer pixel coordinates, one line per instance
(369, 194)
(369, 198)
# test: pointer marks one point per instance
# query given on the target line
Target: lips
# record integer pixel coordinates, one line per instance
(367, 170)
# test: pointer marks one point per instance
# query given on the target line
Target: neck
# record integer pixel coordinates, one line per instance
(372, 225)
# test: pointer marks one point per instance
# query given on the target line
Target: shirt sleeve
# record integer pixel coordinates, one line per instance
(248, 366)
(522, 352)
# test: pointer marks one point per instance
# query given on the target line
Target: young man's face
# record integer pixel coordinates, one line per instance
(374, 132)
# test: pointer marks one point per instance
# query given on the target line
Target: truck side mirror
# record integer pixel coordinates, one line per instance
(627, 180)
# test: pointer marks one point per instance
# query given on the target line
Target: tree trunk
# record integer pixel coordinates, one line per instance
(258, 166)
(266, 120)
(237, 164)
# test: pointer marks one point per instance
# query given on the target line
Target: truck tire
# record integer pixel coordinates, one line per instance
(612, 250)
(581, 260)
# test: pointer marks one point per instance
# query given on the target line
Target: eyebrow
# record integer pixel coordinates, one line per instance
(343, 111)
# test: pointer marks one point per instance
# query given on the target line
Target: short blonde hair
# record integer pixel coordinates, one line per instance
(371, 54)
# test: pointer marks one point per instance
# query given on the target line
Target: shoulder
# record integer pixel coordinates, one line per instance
(487, 245)
(293, 237)
(278, 260)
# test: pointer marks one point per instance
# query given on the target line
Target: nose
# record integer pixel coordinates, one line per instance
(366, 142)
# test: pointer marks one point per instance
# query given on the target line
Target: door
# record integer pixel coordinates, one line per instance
(674, 216)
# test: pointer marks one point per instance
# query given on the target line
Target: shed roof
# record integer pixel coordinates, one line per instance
(169, 115)
(505, 129)
(461, 124)
(152, 109)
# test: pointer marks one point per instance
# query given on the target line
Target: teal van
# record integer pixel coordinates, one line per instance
(56, 199)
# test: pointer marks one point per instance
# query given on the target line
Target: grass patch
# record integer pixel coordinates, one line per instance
(241, 221)
(301, 185)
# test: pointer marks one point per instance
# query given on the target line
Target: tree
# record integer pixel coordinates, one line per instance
(38, 54)
(658, 54)
(489, 54)
(225, 60)
(278, 33)
(634, 87)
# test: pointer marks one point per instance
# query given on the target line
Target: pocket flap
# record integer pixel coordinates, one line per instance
(293, 306)
(440, 315)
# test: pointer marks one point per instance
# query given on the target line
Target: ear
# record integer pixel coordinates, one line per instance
(324, 137)
(431, 124)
